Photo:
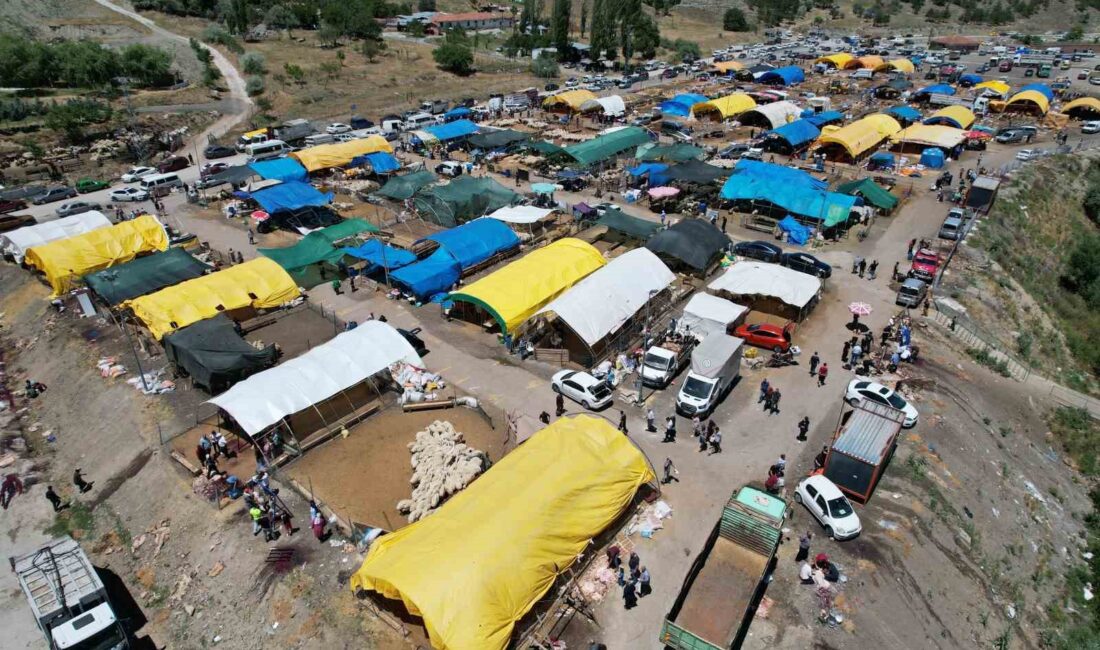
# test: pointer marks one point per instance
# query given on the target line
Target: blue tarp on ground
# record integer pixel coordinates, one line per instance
(825, 117)
(797, 133)
(1040, 88)
(796, 232)
(791, 74)
(680, 105)
(380, 162)
(790, 189)
(936, 89)
(932, 158)
(904, 113)
(290, 195)
(433, 275)
(380, 255)
(970, 79)
(476, 241)
(452, 130)
(279, 169)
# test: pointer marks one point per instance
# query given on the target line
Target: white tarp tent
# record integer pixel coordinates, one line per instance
(521, 214)
(600, 304)
(16, 242)
(761, 279)
(705, 314)
(611, 105)
(778, 113)
(266, 398)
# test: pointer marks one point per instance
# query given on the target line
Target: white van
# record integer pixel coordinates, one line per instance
(419, 120)
(319, 138)
(266, 150)
(157, 181)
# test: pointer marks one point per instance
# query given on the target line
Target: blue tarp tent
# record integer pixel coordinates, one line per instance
(279, 169)
(825, 117)
(380, 255)
(797, 133)
(456, 113)
(452, 130)
(970, 79)
(796, 232)
(783, 76)
(783, 173)
(1040, 88)
(936, 89)
(430, 276)
(476, 241)
(903, 113)
(381, 162)
(290, 195)
(680, 105)
(790, 189)
(932, 158)
(882, 160)
(647, 168)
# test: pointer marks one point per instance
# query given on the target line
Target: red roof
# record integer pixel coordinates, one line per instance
(474, 15)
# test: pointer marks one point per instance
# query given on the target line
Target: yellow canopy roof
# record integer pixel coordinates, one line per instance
(476, 565)
(728, 106)
(999, 87)
(930, 134)
(960, 116)
(862, 135)
(65, 259)
(514, 293)
(571, 98)
(1088, 104)
(1035, 96)
(259, 283)
(870, 61)
(726, 66)
(340, 154)
(901, 65)
(838, 60)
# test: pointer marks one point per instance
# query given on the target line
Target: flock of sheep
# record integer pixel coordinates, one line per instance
(442, 465)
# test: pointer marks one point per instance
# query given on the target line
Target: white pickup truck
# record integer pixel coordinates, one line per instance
(662, 362)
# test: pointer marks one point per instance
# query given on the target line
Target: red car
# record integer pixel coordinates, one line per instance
(925, 264)
(765, 335)
(173, 164)
(11, 206)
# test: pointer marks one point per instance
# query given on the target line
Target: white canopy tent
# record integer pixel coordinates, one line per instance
(705, 314)
(611, 105)
(761, 279)
(599, 304)
(521, 214)
(266, 398)
(17, 242)
(778, 113)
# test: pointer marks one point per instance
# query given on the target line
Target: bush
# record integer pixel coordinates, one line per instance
(254, 63)
(734, 21)
(254, 85)
(545, 67)
(147, 65)
(1079, 435)
(221, 36)
(72, 118)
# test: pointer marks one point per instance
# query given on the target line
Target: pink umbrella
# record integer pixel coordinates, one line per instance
(860, 308)
(260, 215)
(663, 192)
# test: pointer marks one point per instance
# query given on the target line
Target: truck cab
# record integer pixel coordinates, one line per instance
(662, 362)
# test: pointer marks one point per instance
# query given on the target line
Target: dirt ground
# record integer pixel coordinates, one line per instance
(363, 476)
(296, 331)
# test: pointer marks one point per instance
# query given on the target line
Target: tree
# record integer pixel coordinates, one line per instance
(281, 17)
(454, 55)
(627, 17)
(254, 85)
(236, 15)
(602, 37)
(584, 16)
(1082, 269)
(74, 116)
(687, 50)
(372, 48)
(253, 63)
(559, 26)
(1091, 203)
(425, 5)
(147, 65)
(295, 72)
(734, 21)
(544, 67)
(647, 36)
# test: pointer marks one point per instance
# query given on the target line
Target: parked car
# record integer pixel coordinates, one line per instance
(363, 123)
(604, 207)
(128, 194)
(551, 87)
(926, 263)
(54, 194)
(806, 263)
(413, 338)
(582, 387)
(863, 389)
(1028, 154)
(209, 169)
(766, 335)
(449, 168)
(135, 174)
(11, 206)
(829, 507)
(1010, 137)
(218, 151)
(337, 127)
(9, 222)
(173, 164)
(758, 250)
(76, 207)
(1091, 127)
(85, 185)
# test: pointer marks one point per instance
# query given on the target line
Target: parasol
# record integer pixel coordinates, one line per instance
(663, 192)
(859, 308)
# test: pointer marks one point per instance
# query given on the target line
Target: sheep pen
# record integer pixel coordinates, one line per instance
(442, 464)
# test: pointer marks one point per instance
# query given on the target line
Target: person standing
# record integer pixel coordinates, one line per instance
(559, 403)
(80, 483)
(857, 351)
(822, 373)
(803, 428)
(804, 546)
(862, 267)
(909, 252)
(768, 398)
(630, 599)
(54, 500)
(670, 472)
(716, 441)
(895, 274)
(775, 401)
(670, 429)
(643, 583)
(251, 237)
(845, 351)
(650, 420)
(336, 286)
(634, 563)
(256, 514)
(819, 460)
(814, 360)
(872, 269)
(622, 422)
(764, 385)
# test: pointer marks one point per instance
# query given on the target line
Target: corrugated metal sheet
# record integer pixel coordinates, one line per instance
(869, 430)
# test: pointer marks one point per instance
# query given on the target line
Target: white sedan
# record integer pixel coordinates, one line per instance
(128, 194)
(1027, 154)
(861, 389)
(337, 127)
(135, 174)
(829, 506)
(582, 387)
(1091, 127)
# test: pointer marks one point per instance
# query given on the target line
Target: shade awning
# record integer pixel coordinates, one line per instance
(610, 105)
(947, 137)
(452, 130)
(214, 355)
(404, 187)
(523, 214)
(775, 114)
(607, 145)
(474, 242)
(771, 280)
(379, 162)
(16, 242)
(725, 107)
(279, 169)
(571, 99)
(380, 255)
(797, 133)
(959, 117)
(628, 225)
(289, 196)
(145, 275)
(871, 192)
(705, 314)
(695, 242)
(998, 87)
(339, 154)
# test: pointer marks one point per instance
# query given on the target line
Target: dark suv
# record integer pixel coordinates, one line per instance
(173, 164)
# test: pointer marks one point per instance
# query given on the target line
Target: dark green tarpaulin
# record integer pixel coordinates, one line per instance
(607, 145)
(462, 199)
(671, 153)
(400, 188)
(871, 192)
(214, 354)
(695, 171)
(317, 247)
(144, 275)
(346, 228)
(628, 225)
(495, 139)
(545, 148)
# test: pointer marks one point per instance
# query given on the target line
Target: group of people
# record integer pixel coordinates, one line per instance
(266, 510)
(775, 481)
(708, 434)
(769, 396)
(633, 578)
(861, 268)
(209, 449)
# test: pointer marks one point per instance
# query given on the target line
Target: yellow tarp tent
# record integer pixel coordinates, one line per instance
(947, 137)
(476, 565)
(65, 259)
(339, 154)
(999, 87)
(838, 60)
(872, 62)
(1082, 105)
(725, 107)
(959, 117)
(258, 283)
(571, 99)
(861, 136)
(514, 293)
(901, 65)
(726, 66)
(1034, 96)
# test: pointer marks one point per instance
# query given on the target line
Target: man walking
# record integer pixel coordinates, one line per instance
(844, 352)
(251, 237)
(622, 422)
(643, 583)
(822, 373)
(857, 351)
(559, 403)
(650, 420)
(872, 269)
(670, 472)
(715, 441)
(670, 429)
(804, 546)
(54, 500)
(80, 483)
(814, 360)
(774, 407)
(336, 286)
(764, 385)
(803, 428)
(862, 267)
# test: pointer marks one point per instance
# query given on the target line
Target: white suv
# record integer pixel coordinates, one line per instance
(582, 387)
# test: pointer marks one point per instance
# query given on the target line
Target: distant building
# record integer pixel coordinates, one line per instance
(956, 43)
(418, 17)
(477, 20)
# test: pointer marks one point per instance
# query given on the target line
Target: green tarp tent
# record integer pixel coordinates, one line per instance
(608, 145)
(400, 188)
(214, 354)
(670, 153)
(628, 225)
(871, 192)
(462, 199)
(545, 148)
(144, 275)
(302, 259)
(495, 139)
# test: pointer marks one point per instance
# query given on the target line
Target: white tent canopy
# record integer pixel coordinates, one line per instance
(16, 242)
(266, 398)
(600, 304)
(778, 113)
(760, 279)
(705, 314)
(521, 214)
(610, 105)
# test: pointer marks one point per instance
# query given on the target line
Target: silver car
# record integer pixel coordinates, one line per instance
(76, 207)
